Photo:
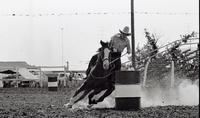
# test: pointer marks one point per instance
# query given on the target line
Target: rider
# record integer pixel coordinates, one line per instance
(118, 43)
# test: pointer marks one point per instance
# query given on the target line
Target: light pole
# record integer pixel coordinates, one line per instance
(67, 65)
(62, 45)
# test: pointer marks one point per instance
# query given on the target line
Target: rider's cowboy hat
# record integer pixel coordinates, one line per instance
(125, 31)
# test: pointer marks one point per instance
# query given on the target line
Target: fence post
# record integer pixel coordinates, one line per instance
(172, 73)
(145, 72)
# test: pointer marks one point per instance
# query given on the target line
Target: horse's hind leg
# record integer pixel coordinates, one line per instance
(82, 96)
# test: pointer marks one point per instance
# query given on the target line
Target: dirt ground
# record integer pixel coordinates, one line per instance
(40, 103)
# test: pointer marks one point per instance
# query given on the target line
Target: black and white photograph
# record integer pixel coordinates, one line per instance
(99, 58)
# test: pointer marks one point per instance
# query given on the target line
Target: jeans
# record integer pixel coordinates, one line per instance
(117, 63)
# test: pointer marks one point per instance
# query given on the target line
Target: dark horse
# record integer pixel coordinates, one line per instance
(99, 78)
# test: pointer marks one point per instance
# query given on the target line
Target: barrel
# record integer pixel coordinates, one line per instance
(127, 90)
(52, 83)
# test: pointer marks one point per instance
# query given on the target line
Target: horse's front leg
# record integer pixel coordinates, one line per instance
(82, 96)
(107, 93)
(91, 95)
(79, 90)
(72, 102)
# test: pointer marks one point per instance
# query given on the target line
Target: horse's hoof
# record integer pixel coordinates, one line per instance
(89, 106)
(92, 102)
(68, 105)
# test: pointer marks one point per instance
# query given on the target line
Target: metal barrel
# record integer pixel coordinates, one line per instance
(52, 83)
(127, 90)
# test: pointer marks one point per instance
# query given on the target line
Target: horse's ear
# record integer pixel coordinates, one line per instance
(102, 43)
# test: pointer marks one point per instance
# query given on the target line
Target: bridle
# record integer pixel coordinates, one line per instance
(104, 59)
(110, 64)
(117, 58)
(110, 70)
(110, 73)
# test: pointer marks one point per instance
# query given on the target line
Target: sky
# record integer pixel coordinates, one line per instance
(52, 32)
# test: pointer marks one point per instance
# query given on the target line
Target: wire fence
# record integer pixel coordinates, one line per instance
(100, 13)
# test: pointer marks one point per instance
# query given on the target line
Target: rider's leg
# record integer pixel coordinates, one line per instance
(118, 65)
(117, 68)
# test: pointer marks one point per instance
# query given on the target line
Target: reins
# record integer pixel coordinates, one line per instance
(110, 73)
(118, 58)
(93, 76)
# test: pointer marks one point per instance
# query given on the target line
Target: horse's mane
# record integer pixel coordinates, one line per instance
(97, 69)
(101, 48)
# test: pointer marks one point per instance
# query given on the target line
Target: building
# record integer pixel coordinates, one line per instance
(19, 70)
(13, 65)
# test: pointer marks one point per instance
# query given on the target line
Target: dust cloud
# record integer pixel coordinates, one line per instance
(185, 92)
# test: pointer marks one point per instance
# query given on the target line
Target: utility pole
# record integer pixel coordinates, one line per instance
(130, 76)
(132, 34)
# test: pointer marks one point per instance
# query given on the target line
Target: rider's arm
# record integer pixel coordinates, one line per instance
(128, 47)
(111, 41)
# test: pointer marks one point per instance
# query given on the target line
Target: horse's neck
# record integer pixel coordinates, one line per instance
(98, 70)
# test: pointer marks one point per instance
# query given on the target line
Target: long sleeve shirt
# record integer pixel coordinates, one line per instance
(120, 43)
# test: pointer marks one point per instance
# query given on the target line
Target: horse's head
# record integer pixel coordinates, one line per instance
(104, 54)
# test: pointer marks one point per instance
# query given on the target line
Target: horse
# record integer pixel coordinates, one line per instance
(98, 78)
(108, 86)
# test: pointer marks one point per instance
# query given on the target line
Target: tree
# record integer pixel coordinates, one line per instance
(184, 63)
